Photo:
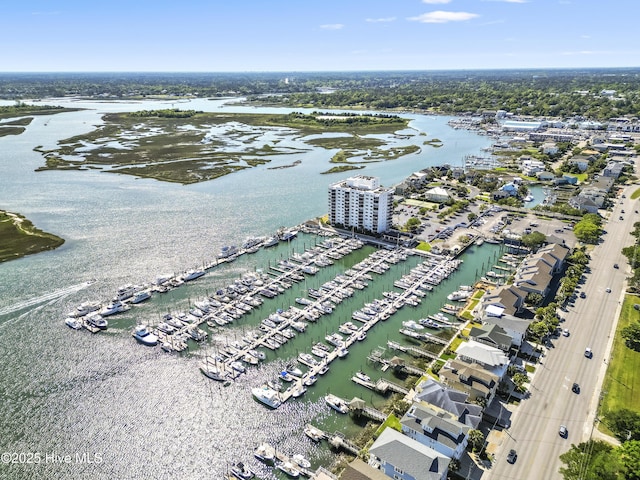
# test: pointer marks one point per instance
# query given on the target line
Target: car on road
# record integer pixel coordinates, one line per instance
(565, 332)
(615, 265)
(621, 217)
(563, 432)
(608, 290)
(511, 456)
(575, 388)
(588, 353)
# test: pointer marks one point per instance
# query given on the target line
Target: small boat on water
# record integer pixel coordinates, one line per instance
(241, 471)
(271, 241)
(267, 395)
(73, 323)
(114, 307)
(363, 376)
(286, 376)
(144, 336)
(309, 380)
(228, 251)
(288, 468)
(336, 403)
(140, 296)
(301, 461)
(313, 433)
(412, 324)
(96, 320)
(265, 453)
(85, 308)
(213, 372)
(293, 370)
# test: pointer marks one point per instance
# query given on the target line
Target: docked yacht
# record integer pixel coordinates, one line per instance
(336, 403)
(293, 370)
(265, 453)
(213, 372)
(96, 320)
(271, 241)
(459, 295)
(412, 324)
(335, 339)
(126, 291)
(363, 376)
(307, 359)
(301, 461)
(288, 468)
(114, 307)
(228, 251)
(313, 433)
(140, 296)
(267, 395)
(241, 471)
(85, 308)
(74, 323)
(144, 336)
(193, 274)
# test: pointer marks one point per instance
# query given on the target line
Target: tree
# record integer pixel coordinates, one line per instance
(472, 216)
(629, 453)
(476, 440)
(412, 224)
(533, 298)
(533, 240)
(631, 335)
(624, 423)
(587, 232)
(592, 460)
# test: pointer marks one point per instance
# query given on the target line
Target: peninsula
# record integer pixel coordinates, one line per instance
(19, 237)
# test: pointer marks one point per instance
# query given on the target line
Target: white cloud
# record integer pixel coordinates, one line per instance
(381, 20)
(332, 26)
(507, 1)
(433, 2)
(440, 16)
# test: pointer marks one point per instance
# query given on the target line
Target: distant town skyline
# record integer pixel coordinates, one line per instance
(308, 35)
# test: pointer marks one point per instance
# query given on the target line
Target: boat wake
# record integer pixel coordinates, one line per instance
(49, 297)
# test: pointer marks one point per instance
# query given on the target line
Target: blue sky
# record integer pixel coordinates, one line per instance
(312, 35)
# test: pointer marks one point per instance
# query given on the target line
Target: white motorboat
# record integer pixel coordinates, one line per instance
(412, 324)
(140, 296)
(271, 241)
(313, 433)
(267, 395)
(126, 291)
(193, 274)
(301, 461)
(74, 323)
(286, 376)
(307, 359)
(265, 453)
(336, 403)
(238, 367)
(309, 380)
(212, 371)
(459, 295)
(228, 251)
(363, 376)
(288, 468)
(241, 471)
(114, 307)
(342, 352)
(298, 390)
(335, 339)
(85, 308)
(293, 370)
(259, 354)
(96, 320)
(144, 336)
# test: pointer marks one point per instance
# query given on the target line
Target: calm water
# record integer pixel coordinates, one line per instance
(136, 411)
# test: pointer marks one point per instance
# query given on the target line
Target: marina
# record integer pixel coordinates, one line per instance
(130, 231)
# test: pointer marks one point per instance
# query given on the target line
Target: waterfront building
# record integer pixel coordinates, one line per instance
(361, 203)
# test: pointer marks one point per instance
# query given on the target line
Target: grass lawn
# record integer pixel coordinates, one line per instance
(424, 246)
(622, 380)
(636, 194)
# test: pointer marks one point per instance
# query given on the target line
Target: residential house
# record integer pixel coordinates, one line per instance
(550, 148)
(514, 327)
(545, 176)
(436, 429)
(493, 335)
(437, 195)
(470, 378)
(359, 470)
(492, 359)
(403, 458)
(507, 297)
(432, 392)
(613, 169)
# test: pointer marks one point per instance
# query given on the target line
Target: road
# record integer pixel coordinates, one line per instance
(591, 322)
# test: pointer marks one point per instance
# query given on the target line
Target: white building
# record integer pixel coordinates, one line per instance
(360, 202)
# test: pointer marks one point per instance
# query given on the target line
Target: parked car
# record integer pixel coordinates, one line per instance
(583, 295)
(563, 432)
(511, 456)
(565, 332)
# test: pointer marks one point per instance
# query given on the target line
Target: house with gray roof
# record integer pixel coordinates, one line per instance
(470, 378)
(509, 298)
(359, 470)
(514, 327)
(437, 429)
(432, 392)
(492, 359)
(492, 335)
(403, 458)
